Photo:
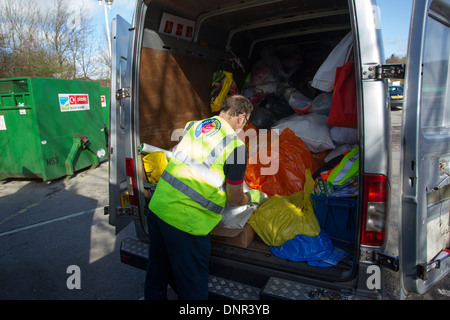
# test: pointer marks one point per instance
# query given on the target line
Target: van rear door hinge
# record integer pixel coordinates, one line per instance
(123, 93)
(385, 260)
(383, 71)
(128, 211)
(424, 269)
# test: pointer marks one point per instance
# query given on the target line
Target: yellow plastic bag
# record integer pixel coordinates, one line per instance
(282, 218)
(154, 165)
(224, 85)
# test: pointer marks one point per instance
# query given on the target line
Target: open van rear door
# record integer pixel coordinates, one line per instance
(425, 150)
(120, 79)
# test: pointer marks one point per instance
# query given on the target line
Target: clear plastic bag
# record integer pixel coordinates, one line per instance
(322, 103)
(299, 102)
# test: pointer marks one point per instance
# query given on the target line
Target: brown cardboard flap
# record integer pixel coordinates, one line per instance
(233, 237)
(226, 232)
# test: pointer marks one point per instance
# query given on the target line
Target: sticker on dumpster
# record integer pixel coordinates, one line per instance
(101, 153)
(103, 100)
(2, 123)
(73, 102)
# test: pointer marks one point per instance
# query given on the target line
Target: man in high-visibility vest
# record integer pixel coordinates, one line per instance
(206, 170)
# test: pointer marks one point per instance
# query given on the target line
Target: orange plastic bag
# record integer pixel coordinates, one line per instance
(278, 165)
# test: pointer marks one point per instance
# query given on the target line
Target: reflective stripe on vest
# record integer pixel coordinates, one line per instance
(203, 169)
(211, 158)
(188, 127)
(191, 192)
(347, 168)
(200, 168)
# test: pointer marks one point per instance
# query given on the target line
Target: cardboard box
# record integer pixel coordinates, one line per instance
(233, 237)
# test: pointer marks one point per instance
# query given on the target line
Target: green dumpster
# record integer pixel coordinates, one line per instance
(49, 128)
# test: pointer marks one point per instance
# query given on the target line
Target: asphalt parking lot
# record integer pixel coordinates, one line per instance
(47, 227)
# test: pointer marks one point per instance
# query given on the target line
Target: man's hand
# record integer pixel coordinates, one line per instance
(255, 196)
(237, 197)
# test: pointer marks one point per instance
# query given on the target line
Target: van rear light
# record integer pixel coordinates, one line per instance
(131, 185)
(376, 195)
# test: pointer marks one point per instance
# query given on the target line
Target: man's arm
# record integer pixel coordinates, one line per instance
(236, 195)
(234, 170)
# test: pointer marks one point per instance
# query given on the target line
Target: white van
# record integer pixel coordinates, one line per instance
(163, 65)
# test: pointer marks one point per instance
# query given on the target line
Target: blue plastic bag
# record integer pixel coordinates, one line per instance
(332, 260)
(304, 248)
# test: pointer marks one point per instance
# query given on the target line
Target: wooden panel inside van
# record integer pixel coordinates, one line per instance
(173, 90)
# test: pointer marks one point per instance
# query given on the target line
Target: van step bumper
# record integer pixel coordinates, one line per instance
(135, 253)
(220, 288)
(282, 289)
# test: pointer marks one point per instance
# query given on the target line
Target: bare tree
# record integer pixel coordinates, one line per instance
(21, 48)
(57, 43)
(84, 52)
(103, 58)
(396, 59)
(60, 38)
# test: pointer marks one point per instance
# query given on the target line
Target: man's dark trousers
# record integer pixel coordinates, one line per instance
(178, 258)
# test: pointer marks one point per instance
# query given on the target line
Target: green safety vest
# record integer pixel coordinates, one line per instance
(191, 194)
(347, 168)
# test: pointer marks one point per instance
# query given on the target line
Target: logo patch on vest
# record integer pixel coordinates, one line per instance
(207, 128)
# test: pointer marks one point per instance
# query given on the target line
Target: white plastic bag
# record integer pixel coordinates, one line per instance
(324, 78)
(339, 151)
(236, 217)
(299, 102)
(322, 103)
(312, 128)
(341, 135)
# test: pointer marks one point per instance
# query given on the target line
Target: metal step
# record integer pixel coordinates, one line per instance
(135, 247)
(282, 289)
(134, 253)
(232, 290)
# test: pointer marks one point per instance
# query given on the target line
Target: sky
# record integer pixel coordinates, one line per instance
(395, 19)
(394, 16)
(123, 7)
(93, 10)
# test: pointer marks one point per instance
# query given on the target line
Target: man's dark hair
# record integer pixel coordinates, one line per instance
(236, 105)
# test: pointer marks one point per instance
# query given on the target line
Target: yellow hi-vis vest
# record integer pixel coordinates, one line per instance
(347, 168)
(190, 195)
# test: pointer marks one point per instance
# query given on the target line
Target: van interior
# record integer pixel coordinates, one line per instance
(273, 49)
